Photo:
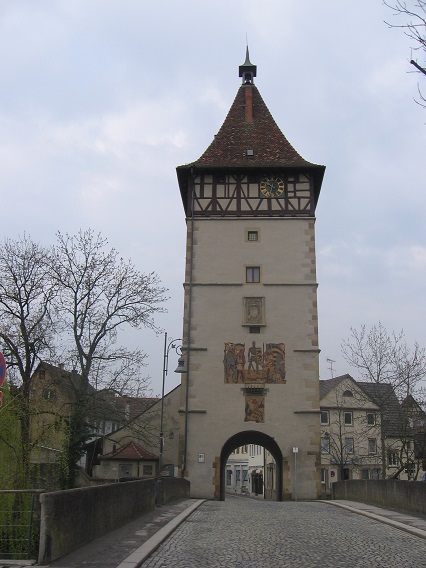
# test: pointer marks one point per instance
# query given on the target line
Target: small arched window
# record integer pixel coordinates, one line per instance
(347, 393)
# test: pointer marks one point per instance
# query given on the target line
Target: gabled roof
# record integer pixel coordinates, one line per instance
(105, 404)
(381, 394)
(130, 451)
(327, 385)
(131, 407)
(384, 396)
(411, 406)
(70, 381)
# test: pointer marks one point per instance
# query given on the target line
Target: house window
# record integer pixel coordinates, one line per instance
(254, 329)
(372, 446)
(365, 474)
(125, 470)
(147, 470)
(252, 274)
(49, 394)
(349, 445)
(325, 444)
(252, 236)
(392, 458)
(237, 476)
(347, 393)
(371, 418)
(323, 475)
(325, 417)
(348, 418)
(245, 475)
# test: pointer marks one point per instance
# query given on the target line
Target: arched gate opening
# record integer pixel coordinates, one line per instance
(251, 437)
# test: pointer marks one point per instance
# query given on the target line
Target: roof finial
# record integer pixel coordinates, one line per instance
(247, 70)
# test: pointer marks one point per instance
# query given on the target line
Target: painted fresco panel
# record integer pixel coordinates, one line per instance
(255, 409)
(264, 364)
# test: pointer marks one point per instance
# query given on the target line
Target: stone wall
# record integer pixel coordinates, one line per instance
(407, 496)
(72, 518)
(174, 488)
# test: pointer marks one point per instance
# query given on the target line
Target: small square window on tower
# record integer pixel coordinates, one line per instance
(252, 274)
(252, 236)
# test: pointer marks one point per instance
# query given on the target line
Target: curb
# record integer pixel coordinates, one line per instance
(139, 555)
(396, 524)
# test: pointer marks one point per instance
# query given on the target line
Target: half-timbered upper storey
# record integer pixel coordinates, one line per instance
(250, 168)
(252, 194)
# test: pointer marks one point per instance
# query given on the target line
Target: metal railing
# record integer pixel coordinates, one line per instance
(19, 524)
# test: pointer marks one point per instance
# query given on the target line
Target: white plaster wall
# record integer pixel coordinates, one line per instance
(286, 255)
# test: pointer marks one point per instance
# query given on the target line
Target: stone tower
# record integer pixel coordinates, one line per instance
(250, 314)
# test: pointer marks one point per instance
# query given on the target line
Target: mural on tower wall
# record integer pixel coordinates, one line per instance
(255, 408)
(264, 364)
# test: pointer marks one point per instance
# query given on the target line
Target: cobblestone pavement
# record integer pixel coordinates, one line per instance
(257, 534)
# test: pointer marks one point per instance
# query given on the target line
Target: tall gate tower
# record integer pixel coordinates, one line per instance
(250, 313)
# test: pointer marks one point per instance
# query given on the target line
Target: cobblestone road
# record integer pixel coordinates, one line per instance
(247, 533)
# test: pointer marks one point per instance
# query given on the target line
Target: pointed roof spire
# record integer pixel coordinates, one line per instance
(250, 139)
(247, 70)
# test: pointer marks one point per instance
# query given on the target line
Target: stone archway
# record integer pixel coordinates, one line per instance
(251, 437)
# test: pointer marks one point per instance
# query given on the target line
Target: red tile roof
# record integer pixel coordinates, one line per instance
(130, 451)
(257, 131)
(249, 126)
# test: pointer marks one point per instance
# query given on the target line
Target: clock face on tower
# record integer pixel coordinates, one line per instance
(271, 186)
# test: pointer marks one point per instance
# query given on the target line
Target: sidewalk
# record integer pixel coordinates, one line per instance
(129, 546)
(403, 521)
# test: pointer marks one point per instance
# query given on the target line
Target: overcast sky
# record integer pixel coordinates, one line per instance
(100, 100)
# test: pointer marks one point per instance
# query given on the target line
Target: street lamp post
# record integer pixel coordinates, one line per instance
(175, 344)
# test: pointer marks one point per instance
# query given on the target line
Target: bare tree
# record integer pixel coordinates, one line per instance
(414, 12)
(99, 295)
(82, 293)
(27, 328)
(385, 360)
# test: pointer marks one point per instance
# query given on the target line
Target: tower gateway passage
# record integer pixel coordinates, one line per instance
(250, 315)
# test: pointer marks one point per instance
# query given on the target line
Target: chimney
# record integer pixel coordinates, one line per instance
(249, 103)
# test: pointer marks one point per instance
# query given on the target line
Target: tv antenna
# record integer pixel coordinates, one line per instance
(331, 366)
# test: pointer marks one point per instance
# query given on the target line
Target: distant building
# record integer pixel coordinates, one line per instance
(365, 432)
(55, 392)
